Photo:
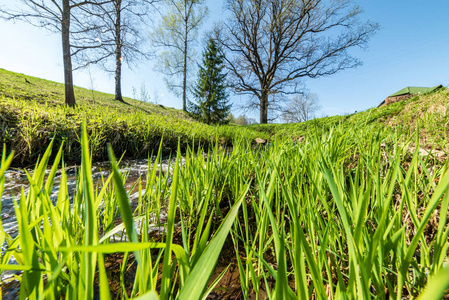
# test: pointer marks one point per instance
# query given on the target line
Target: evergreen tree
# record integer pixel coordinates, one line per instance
(212, 105)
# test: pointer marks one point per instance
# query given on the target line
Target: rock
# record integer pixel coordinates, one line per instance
(260, 141)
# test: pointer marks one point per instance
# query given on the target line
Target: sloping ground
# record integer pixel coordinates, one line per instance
(20, 86)
(32, 113)
(427, 114)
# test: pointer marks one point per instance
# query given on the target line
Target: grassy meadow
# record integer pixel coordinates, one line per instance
(32, 114)
(345, 207)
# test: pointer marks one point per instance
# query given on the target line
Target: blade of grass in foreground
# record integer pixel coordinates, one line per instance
(199, 277)
(5, 163)
(437, 285)
(89, 260)
(152, 295)
(125, 210)
(32, 284)
(439, 191)
(123, 247)
(361, 289)
(282, 289)
(166, 270)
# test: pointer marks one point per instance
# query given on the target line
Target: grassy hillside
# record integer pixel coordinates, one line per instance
(427, 113)
(32, 113)
(19, 86)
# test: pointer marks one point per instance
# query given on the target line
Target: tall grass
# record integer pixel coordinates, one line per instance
(340, 215)
(60, 252)
(28, 126)
(429, 111)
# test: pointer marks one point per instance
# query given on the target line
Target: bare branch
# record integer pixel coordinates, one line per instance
(173, 38)
(272, 45)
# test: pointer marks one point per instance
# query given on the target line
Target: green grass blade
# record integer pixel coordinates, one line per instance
(437, 285)
(198, 278)
(166, 278)
(151, 295)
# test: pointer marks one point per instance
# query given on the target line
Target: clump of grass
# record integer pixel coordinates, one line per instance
(61, 253)
(339, 215)
(333, 230)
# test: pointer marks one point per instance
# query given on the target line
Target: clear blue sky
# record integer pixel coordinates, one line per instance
(411, 49)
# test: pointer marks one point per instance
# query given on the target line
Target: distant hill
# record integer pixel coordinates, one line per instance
(32, 112)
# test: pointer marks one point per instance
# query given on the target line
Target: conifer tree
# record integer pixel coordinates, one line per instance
(212, 105)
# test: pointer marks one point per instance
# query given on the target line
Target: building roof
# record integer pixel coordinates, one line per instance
(414, 90)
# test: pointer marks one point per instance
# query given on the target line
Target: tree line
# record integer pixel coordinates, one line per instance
(264, 49)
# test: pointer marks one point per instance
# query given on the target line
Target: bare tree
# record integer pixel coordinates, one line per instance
(174, 35)
(156, 96)
(56, 16)
(301, 108)
(272, 44)
(116, 36)
(244, 120)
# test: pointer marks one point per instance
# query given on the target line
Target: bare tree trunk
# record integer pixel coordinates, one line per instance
(118, 52)
(184, 73)
(264, 108)
(68, 77)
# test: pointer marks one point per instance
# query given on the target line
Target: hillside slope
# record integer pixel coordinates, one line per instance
(427, 114)
(32, 112)
(20, 86)
(352, 196)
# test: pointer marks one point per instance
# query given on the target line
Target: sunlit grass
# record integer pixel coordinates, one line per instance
(61, 246)
(340, 215)
(430, 111)
(345, 207)
(33, 113)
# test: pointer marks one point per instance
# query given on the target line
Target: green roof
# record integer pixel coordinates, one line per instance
(414, 90)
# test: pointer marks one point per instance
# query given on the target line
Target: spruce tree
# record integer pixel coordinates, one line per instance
(212, 105)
